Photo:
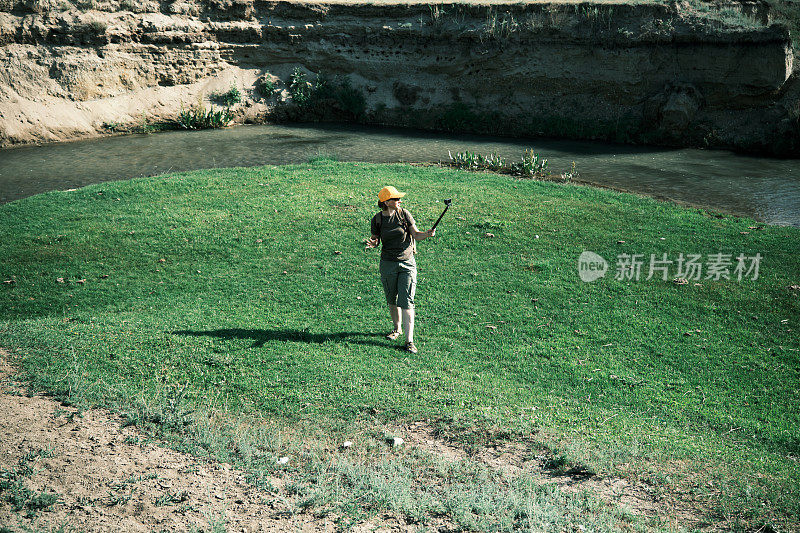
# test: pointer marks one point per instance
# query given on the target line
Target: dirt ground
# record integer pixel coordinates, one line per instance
(109, 477)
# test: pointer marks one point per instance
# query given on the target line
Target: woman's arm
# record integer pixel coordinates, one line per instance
(421, 235)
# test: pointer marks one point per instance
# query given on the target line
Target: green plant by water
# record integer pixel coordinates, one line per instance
(530, 165)
(198, 117)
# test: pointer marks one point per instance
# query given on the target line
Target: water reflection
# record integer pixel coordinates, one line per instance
(768, 189)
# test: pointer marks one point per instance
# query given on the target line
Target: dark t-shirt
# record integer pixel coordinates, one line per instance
(395, 235)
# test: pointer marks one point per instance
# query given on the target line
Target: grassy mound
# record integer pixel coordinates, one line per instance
(248, 292)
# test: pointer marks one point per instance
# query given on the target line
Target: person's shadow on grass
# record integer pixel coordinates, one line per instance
(263, 336)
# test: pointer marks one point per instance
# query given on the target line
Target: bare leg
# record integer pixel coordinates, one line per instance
(408, 324)
(395, 312)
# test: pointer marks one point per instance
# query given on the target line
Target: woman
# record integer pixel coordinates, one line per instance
(396, 228)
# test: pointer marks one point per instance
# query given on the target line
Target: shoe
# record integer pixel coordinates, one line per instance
(393, 335)
(410, 348)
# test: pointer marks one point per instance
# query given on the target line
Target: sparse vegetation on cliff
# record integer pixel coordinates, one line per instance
(459, 82)
(788, 12)
(265, 87)
(227, 98)
(327, 98)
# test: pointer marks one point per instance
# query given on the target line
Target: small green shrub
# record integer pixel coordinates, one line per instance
(266, 87)
(200, 118)
(339, 91)
(300, 88)
(326, 97)
(97, 27)
(458, 116)
(230, 97)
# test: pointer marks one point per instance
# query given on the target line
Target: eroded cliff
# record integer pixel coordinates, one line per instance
(660, 73)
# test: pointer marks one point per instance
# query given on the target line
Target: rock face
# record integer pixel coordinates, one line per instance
(664, 74)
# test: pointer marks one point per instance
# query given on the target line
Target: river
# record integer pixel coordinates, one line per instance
(765, 189)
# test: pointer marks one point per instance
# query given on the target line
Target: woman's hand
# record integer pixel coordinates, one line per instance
(371, 243)
(422, 235)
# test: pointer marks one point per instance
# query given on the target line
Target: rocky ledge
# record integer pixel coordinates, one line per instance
(704, 74)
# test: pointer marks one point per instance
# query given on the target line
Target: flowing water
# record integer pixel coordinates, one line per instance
(763, 188)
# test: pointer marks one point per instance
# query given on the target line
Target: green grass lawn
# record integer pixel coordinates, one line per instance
(250, 292)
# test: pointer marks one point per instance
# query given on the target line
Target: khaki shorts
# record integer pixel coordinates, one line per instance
(399, 280)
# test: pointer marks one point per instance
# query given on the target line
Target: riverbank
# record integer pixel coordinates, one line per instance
(191, 304)
(767, 189)
(671, 72)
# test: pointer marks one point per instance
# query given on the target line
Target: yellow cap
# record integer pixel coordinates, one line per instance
(387, 193)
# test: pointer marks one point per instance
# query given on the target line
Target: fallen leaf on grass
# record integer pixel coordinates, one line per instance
(103, 276)
(338, 252)
(794, 287)
(680, 281)
(81, 281)
(162, 260)
(60, 280)
(489, 235)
